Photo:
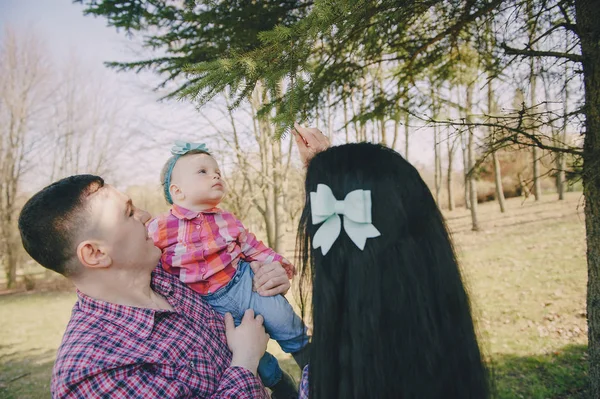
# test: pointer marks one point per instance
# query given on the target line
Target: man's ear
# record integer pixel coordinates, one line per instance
(91, 254)
(176, 192)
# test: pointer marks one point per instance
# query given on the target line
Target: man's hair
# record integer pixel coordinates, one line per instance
(51, 219)
(168, 169)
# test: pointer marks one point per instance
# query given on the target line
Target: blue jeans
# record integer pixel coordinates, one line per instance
(281, 322)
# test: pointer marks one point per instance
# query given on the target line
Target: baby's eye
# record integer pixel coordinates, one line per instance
(202, 171)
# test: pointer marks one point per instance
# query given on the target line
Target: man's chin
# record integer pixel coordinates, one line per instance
(157, 253)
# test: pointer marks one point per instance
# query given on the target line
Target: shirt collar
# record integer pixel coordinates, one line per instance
(182, 213)
(136, 321)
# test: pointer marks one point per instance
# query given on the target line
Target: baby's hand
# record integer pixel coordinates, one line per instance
(269, 279)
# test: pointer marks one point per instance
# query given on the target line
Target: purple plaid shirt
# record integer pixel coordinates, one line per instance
(114, 351)
(303, 393)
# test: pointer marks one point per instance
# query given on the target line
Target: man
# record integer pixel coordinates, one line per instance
(136, 331)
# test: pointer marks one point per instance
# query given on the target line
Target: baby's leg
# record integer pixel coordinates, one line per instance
(234, 298)
(281, 322)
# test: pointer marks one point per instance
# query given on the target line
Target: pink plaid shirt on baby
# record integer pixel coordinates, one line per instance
(203, 248)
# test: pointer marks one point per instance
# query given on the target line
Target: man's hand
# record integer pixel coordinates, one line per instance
(310, 141)
(270, 278)
(248, 341)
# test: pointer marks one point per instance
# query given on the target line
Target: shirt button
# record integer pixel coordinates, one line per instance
(203, 270)
(192, 365)
(197, 227)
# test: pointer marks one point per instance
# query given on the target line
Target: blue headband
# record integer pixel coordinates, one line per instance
(179, 149)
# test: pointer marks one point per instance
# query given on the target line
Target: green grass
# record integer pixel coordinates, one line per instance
(525, 270)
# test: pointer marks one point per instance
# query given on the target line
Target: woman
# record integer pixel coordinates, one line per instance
(391, 317)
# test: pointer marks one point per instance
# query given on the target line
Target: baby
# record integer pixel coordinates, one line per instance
(209, 249)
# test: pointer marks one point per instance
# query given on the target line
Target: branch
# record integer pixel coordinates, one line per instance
(455, 28)
(537, 53)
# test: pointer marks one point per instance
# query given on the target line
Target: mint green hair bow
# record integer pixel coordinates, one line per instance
(356, 208)
(179, 149)
(183, 147)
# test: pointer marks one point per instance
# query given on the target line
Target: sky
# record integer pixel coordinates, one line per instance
(67, 33)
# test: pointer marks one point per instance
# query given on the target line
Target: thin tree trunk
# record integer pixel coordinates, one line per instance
(560, 157)
(329, 116)
(471, 158)
(406, 134)
(498, 182)
(465, 157)
(496, 161)
(346, 128)
(587, 16)
(449, 182)
(396, 131)
(537, 191)
(437, 163)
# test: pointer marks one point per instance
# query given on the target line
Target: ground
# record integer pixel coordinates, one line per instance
(526, 273)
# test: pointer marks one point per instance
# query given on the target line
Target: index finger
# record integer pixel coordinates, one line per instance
(229, 325)
(312, 136)
(248, 315)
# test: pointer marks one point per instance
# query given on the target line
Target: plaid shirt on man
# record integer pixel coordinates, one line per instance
(203, 248)
(115, 351)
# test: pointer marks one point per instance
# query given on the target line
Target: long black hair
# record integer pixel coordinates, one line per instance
(393, 320)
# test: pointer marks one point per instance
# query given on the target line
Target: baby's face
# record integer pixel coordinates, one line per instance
(198, 181)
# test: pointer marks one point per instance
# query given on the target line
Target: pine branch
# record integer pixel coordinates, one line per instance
(539, 53)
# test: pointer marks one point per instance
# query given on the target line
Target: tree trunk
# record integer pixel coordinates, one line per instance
(437, 164)
(11, 265)
(560, 176)
(537, 191)
(449, 183)
(406, 134)
(588, 15)
(471, 160)
(396, 129)
(560, 157)
(346, 128)
(437, 174)
(465, 155)
(498, 181)
(496, 161)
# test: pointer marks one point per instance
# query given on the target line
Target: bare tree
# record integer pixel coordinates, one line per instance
(537, 190)
(23, 96)
(85, 126)
(451, 142)
(471, 159)
(259, 175)
(495, 159)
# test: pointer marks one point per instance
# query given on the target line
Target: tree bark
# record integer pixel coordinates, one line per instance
(449, 182)
(587, 16)
(498, 182)
(438, 164)
(496, 161)
(406, 134)
(537, 191)
(464, 139)
(560, 157)
(471, 161)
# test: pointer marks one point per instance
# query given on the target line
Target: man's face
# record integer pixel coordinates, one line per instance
(120, 229)
(199, 179)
